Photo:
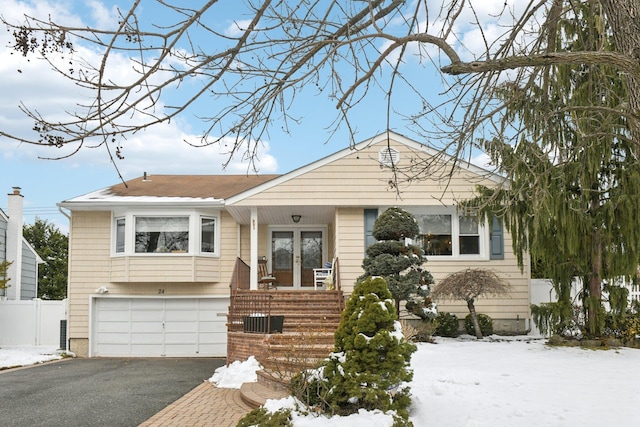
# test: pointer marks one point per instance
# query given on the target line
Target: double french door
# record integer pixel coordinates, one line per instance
(294, 255)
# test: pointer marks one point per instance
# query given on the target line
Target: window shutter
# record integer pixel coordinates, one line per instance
(497, 239)
(370, 216)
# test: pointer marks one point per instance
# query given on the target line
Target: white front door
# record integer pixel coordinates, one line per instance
(294, 255)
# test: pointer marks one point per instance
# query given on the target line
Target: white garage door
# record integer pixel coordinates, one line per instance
(155, 327)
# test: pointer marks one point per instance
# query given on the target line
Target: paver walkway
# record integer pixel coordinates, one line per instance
(205, 405)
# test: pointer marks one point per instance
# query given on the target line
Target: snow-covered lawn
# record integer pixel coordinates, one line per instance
(23, 356)
(495, 382)
(501, 381)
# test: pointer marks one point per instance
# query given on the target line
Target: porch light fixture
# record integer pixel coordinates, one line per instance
(296, 218)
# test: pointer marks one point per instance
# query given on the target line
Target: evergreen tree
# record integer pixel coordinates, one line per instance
(53, 247)
(575, 180)
(370, 364)
(4, 280)
(398, 263)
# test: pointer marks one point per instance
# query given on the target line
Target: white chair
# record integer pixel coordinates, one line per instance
(320, 275)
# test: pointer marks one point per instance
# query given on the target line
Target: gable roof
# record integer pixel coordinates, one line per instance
(383, 137)
(226, 190)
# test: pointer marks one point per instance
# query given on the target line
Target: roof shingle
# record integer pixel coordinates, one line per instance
(196, 186)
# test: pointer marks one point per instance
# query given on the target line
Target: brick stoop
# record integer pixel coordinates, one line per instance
(256, 394)
(310, 322)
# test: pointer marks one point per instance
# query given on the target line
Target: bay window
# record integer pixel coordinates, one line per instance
(162, 234)
(185, 232)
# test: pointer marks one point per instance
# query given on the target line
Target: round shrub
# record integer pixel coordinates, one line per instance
(447, 325)
(394, 224)
(485, 322)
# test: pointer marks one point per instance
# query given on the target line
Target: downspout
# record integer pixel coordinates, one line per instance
(66, 304)
(63, 212)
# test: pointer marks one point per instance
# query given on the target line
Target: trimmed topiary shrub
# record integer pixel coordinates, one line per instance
(399, 263)
(395, 224)
(485, 322)
(369, 367)
(447, 325)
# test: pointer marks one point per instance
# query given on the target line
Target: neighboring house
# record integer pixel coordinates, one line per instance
(151, 261)
(23, 271)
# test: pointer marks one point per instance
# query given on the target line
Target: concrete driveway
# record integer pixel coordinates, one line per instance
(98, 392)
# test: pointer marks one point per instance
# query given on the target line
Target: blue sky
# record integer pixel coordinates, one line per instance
(158, 150)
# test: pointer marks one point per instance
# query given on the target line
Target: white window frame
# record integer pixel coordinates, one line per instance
(124, 236)
(195, 233)
(483, 232)
(216, 239)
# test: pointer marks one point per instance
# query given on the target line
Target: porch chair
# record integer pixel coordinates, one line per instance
(265, 279)
(320, 275)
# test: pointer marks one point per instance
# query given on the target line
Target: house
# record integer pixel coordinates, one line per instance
(14, 248)
(152, 260)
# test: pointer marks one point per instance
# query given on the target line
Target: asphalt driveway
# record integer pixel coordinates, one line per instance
(98, 392)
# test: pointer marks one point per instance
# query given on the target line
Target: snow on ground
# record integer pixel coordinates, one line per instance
(496, 382)
(23, 356)
(237, 373)
(502, 382)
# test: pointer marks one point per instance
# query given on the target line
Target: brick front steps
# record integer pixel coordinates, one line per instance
(310, 321)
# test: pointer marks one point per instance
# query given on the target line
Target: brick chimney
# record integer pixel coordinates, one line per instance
(14, 243)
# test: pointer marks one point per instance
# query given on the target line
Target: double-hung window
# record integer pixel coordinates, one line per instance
(469, 237)
(436, 234)
(120, 234)
(207, 234)
(444, 232)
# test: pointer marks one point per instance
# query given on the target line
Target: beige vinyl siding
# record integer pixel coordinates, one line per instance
(350, 235)
(349, 224)
(517, 304)
(92, 266)
(89, 250)
(358, 180)
(165, 268)
(228, 251)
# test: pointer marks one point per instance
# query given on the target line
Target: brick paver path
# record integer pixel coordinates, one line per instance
(205, 405)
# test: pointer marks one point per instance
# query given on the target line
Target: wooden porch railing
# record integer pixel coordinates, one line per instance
(336, 274)
(241, 276)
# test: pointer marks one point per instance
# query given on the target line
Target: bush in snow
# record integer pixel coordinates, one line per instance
(485, 322)
(467, 285)
(369, 367)
(398, 263)
(263, 418)
(447, 325)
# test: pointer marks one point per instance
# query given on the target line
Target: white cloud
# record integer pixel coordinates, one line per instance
(103, 16)
(237, 27)
(159, 149)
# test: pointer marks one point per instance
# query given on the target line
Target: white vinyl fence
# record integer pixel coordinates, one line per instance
(32, 323)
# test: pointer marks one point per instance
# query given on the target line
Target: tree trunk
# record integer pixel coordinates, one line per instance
(595, 286)
(624, 18)
(474, 317)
